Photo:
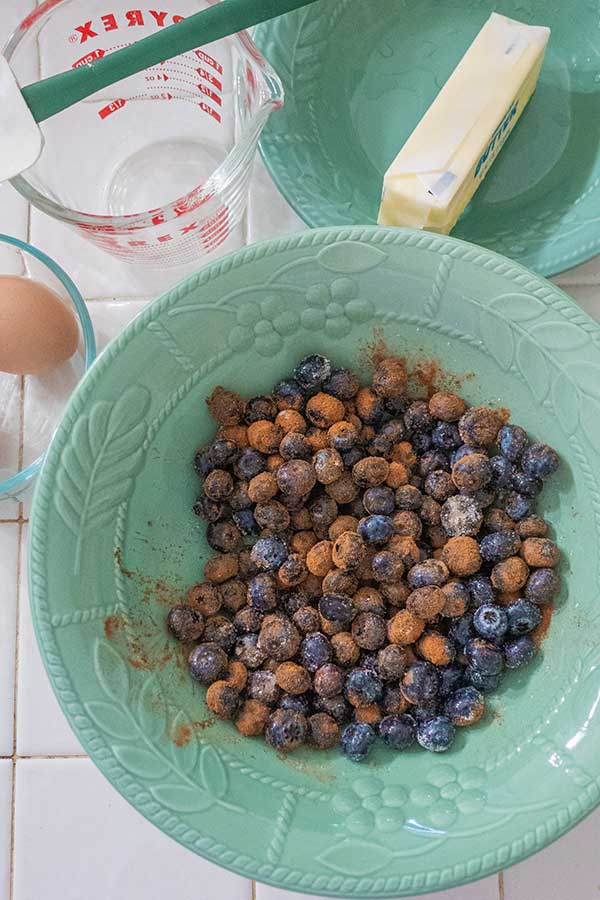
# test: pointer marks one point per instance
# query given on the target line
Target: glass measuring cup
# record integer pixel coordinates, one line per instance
(154, 169)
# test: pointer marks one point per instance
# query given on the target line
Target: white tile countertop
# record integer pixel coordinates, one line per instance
(65, 834)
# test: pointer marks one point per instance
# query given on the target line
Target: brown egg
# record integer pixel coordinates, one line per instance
(37, 331)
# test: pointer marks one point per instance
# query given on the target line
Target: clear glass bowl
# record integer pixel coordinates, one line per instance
(31, 405)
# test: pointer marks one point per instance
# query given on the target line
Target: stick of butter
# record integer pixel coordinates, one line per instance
(452, 148)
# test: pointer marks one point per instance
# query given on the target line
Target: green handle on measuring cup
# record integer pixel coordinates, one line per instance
(52, 95)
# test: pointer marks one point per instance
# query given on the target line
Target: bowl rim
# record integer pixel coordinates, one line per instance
(44, 624)
(21, 478)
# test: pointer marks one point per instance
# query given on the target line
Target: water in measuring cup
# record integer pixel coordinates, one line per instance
(146, 141)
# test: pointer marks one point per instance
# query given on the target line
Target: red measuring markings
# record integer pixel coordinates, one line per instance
(205, 58)
(111, 108)
(204, 89)
(210, 78)
(88, 58)
(208, 109)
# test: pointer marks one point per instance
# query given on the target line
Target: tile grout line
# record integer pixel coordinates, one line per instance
(253, 890)
(15, 694)
(500, 885)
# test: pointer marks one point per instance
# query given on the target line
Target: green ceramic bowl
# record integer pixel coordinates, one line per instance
(359, 77)
(113, 540)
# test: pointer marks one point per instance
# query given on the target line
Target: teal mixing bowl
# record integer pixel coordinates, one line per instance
(114, 541)
(358, 78)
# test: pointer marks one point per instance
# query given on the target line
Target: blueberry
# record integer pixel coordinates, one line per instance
(390, 434)
(262, 593)
(445, 436)
(436, 735)
(409, 497)
(249, 463)
(429, 572)
(363, 687)
(398, 732)
(357, 740)
(223, 536)
(295, 602)
(336, 707)
(337, 608)
(439, 485)
(539, 461)
(481, 590)
(486, 684)
(432, 461)
(502, 471)
(298, 702)
(421, 682)
(203, 464)
(269, 553)
(247, 621)
(417, 417)
(517, 506)
(523, 617)
(185, 623)
(286, 730)
(512, 441)
(490, 622)
(463, 450)
(461, 516)
(379, 501)
(462, 631)
(315, 651)
(209, 510)
(499, 545)
(312, 372)
(426, 711)
(289, 394)
(260, 408)
(239, 499)
(351, 457)
(542, 586)
(342, 383)
(451, 678)
(207, 663)
(370, 661)
(220, 630)
(391, 662)
(376, 529)
(221, 453)
(527, 485)
(245, 521)
(484, 656)
(465, 706)
(262, 686)
(248, 652)
(421, 442)
(519, 652)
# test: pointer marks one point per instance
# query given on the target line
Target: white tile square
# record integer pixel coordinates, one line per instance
(5, 824)
(10, 426)
(269, 214)
(487, 889)
(42, 729)
(569, 868)
(75, 838)
(586, 273)
(109, 318)
(9, 542)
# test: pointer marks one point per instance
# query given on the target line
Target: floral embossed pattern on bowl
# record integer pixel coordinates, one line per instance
(329, 146)
(114, 542)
